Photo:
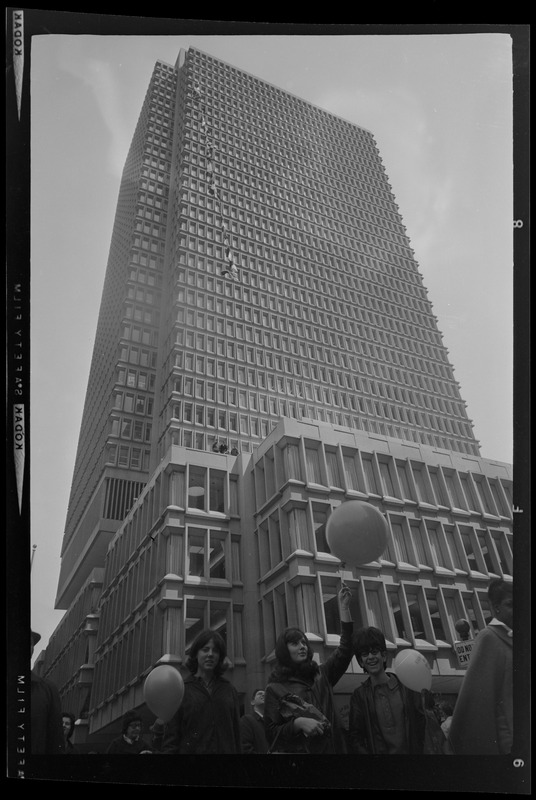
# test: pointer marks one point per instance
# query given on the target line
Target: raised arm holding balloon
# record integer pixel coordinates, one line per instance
(299, 713)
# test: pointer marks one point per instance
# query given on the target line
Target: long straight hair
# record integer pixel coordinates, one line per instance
(200, 641)
(285, 667)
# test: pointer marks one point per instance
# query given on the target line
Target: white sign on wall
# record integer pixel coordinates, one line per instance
(463, 652)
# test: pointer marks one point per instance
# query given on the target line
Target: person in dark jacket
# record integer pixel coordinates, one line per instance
(386, 718)
(297, 673)
(252, 733)
(435, 741)
(482, 723)
(157, 729)
(45, 713)
(68, 721)
(208, 719)
(131, 742)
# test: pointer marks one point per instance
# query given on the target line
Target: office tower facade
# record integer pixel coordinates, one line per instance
(113, 454)
(290, 283)
(265, 350)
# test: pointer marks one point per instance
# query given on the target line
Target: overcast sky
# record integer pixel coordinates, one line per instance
(440, 108)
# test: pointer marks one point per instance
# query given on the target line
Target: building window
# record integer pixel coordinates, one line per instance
(421, 628)
(274, 539)
(486, 608)
(312, 464)
(438, 545)
(126, 428)
(292, 462)
(332, 464)
(350, 472)
(307, 612)
(484, 494)
(320, 518)
(206, 554)
(488, 552)
(402, 469)
(398, 615)
(503, 550)
(196, 552)
(455, 548)
(370, 475)
(469, 493)
(472, 611)
(439, 489)
(387, 478)
(402, 542)
(501, 500)
(111, 453)
(122, 460)
(472, 551)
(330, 605)
(135, 458)
(200, 614)
(217, 490)
(454, 488)
(439, 623)
(422, 484)
(418, 537)
(197, 488)
(216, 556)
(378, 609)
(275, 615)
(269, 473)
(297, 528)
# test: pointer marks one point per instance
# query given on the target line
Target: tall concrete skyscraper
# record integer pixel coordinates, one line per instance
(326, 317)
(264, 331)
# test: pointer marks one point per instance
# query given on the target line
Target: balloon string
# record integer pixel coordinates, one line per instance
(341, 568)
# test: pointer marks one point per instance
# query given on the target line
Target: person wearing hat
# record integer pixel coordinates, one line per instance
(131, 742)
(45, 713)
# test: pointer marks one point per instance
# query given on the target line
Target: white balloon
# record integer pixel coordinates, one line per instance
(413, 670)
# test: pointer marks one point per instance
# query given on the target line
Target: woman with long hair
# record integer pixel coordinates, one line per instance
(299, 710)
(208, 719)
(68, 721)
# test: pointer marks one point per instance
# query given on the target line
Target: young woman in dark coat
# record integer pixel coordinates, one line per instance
(296, 672)
(68, 721)
(208, 719)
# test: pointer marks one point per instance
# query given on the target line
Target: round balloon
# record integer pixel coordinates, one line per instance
(163, 691)
(413, 670)
(356, 532)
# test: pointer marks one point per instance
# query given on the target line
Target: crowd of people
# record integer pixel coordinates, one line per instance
(296, 713)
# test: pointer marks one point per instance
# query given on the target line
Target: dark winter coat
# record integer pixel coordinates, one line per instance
(364, 733)
(47, 729)
(252, 734)
(206, 722)
(320, 694)
(124, 747)
(482, 723)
